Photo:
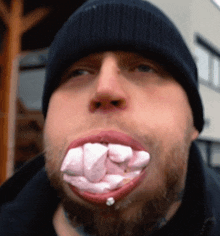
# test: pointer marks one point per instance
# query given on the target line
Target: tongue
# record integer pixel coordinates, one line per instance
(98, 168)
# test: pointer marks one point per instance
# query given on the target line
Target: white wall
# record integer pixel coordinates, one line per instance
(180, 14)
(205, 19)
(198, 17)
(205, 22)
(211, 101)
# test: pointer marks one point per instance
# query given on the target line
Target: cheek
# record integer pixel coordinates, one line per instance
(64, 104)
(65, 112)
(166, 111)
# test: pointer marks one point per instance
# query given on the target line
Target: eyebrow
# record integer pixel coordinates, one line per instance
(125, 57)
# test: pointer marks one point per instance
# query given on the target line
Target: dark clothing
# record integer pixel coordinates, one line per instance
(28, 202)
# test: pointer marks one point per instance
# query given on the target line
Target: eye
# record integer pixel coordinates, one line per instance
(144, 68)
(76, 73)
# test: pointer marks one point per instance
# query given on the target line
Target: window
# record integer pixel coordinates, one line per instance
(216, 3)
(30, 88)
(208, 63)
(202, 59)
(32, 77)
(216, 72)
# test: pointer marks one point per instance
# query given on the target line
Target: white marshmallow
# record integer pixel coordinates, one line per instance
(83, 184)
(88, 168)
(141, 159)
(73, 162)
(114, 181)
(119, 153)
(95, 155)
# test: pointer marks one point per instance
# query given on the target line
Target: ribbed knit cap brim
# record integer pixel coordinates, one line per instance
(130, 25)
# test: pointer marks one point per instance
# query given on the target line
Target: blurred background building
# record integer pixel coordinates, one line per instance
(22, 123)
(198, 21)
(27, 28)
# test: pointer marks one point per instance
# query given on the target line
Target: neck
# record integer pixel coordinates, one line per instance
(63, 226)
(61, 223)
(172, 211)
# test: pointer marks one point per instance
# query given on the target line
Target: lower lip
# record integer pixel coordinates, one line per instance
(118, 194)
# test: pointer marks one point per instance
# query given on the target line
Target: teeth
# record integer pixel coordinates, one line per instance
(119, 153)
(73, 162)
(94, 161)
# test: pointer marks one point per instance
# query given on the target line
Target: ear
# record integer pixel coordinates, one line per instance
(195, 134)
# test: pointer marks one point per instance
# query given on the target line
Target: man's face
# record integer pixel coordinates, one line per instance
(127, 93)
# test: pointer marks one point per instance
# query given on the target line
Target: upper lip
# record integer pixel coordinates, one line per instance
(108, 137)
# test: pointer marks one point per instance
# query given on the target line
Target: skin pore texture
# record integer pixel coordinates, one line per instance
(128, 93)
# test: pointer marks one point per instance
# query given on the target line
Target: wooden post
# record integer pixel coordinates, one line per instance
(8, 85)
(13, 49)
(16, 24)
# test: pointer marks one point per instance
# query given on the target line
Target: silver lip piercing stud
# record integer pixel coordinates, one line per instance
(110, 201)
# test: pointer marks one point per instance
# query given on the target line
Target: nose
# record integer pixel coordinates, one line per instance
(109, 92)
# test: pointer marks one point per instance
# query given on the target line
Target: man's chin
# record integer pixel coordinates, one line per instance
(127, 217)
(137, 213)
(118, 221)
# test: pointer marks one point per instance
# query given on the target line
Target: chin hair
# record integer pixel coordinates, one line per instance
(109, 221)
(154, 204)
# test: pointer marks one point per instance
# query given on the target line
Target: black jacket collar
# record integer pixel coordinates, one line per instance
(198, 213)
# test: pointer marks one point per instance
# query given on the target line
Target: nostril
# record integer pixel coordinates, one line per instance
(115, 103)
(107, 104)
(97, 105)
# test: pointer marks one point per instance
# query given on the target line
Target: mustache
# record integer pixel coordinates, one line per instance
(128, 127)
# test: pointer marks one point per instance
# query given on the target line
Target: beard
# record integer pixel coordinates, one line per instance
(110, 221)
(146, 219)
(152, 202)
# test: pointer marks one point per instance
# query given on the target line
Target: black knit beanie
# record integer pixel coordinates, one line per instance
(130, 25)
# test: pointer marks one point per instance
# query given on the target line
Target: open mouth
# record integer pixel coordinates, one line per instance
(104, 172)
(112, 196)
